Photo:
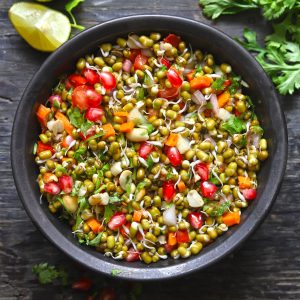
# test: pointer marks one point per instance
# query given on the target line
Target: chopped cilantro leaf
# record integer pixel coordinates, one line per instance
(76, 118)
(78, 154)
(234, 125)
(108, 212)
(115, 272)
(48, 274)
(96, 241)
(163, 68)
(218, 84)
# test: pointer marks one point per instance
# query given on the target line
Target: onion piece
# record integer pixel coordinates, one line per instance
(169, 216)
(194, 199)
(198, 98)
(133, 42)
(182, 144)
(224, 114)
(127, 64)
(214, 102)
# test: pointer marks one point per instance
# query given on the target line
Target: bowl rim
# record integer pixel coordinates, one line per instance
(77, 252)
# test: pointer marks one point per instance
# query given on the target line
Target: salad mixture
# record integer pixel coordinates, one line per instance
(149, 149)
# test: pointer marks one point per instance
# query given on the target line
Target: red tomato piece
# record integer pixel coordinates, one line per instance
(166, 62)
(249, 194)
(208, 189)
(169, 94)
(169, 248)
(91, 76)
(108, 80)
(84, 97)
(43, 147)
(182, 236)
(203, 171)
(116, 221)
(52, 188)
(174, 156)
(173, 39)
(139, 62)
(132, 255)
(174, 78)
(83, 284)
(196, 219)
(168, 190)
(124, 230)
(94, 114)
(134, 53)
(77, 80)
(65, 183)
(145, 149)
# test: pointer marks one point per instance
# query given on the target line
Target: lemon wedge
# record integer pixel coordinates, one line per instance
(42, 28)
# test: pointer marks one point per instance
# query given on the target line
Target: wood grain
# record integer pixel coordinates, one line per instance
(267, 266)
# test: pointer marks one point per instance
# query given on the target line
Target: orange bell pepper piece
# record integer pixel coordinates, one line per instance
(42, 114)
(108, 130)
(201, 82)
(244, 182)
(172, 241)
(231, 218)
(94, 225)
(223, 99)
(67, 125)
(181, 186)
(127, 127)
(137, 215)
(121, 113)
(172, 140)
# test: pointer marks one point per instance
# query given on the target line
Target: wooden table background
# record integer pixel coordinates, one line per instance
(266, 267)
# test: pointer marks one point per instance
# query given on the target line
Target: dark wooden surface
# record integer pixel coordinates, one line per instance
(266, 267)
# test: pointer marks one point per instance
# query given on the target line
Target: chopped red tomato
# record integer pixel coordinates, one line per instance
(173, 39)
(168, 190)
(139, 62)
(43, 147)
(174, 156)
(208, 189)
(52, 188)
(108, 80)
(84, 97)
(202, 170)
(77, 80)
(134, 53)
(182, 236)
(145, 149)
(65, 183)
(94, 114)
(91, 76)
(249, 194)
(166, 62)
(124, 230)
(169, 94)
(196, 219)
(132, 255)
(116, 221)
(174, 78)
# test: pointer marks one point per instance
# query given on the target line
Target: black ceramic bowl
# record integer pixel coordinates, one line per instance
(26, 129)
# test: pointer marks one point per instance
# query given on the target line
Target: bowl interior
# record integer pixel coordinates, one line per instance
(200, 36)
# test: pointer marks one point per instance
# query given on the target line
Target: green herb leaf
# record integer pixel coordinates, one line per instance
(140, 185)
(115, 272)
(95, 136)
(150, 161)
(220, 210)
(163, 68)
(96, 241)
(115, 198)
(234, 125)
(79, 153)
(257, 129)
(215, 8)
(76, 118)
(69, 7)
(60, 168)
(149, 127)
(218, 84)
(48, 274)
(85, 127)
(108, 212)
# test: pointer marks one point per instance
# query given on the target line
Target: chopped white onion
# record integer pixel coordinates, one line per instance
(133, 42)
(198, 98)
(116, 168)
(147, 52)
(183, 144)
(169, 216)
(224, 114)
(214, 102)
(155, 143)
(194, 199)
(178, 129)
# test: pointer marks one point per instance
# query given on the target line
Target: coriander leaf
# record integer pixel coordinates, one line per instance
(96, 241)
(163, 68)
(220, 210)
(215, 8)
(78, 154)
(140, 185)
(274, 9)
(60, 168)
(69, 7)
(149, 161)
(149, 127)
(234, 125)
(218, 84)
(85, 127)
(214, 181)
(140, 93)
(115, 272)
(114, 199)
(108, 212)
(76, 118)
(47, 273)
(95, 136)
